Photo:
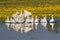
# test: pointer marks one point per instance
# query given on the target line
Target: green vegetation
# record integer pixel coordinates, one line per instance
(37, 7)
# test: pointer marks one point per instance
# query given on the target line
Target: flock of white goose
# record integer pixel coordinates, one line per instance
(26, 16)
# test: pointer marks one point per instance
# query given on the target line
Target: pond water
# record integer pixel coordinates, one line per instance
(30, 31)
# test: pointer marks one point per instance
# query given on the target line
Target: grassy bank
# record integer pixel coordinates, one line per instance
(39, 11)
(37, 8)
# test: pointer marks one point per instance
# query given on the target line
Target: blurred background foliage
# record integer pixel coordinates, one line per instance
(36, 7)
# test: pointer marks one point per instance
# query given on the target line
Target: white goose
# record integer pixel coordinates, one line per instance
(7, 20)
(21, 18)
(26, 13)
(36, 19)
(36, 22)
(52, 19)
(44, 20)
(29, 19)
(12, 20)
(15, 16)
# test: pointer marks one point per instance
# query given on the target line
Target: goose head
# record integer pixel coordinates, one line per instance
(45, 17)
(52, 16)
(17, 12)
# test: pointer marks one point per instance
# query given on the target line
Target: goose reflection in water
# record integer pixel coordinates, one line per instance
(23, 28)
(28, 27)
(8, 25)
(52, 26)
(52, 19)
(44, 25)
(17, 27)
